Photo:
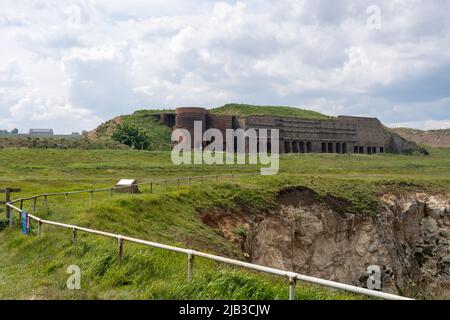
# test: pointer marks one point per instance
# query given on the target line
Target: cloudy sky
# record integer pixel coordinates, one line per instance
(70, 65)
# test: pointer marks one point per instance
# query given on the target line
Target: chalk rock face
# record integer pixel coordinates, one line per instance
(408, 240)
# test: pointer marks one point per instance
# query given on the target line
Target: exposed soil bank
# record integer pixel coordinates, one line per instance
(409, 239)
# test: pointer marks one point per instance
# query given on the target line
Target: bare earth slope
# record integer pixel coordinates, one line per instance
(433, 138)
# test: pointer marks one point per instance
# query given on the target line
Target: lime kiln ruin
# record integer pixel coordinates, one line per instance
(342, 134)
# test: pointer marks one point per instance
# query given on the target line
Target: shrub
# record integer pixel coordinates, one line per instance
(131, 136)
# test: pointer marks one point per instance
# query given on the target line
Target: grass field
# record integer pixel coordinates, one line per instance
(35, 268)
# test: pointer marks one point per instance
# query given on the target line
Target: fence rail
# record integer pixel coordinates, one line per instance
(292, 277)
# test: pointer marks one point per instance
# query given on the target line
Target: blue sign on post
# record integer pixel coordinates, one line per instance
(24, 220)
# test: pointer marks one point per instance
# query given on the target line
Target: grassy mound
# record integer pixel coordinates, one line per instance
(252, 110)
(158, 134)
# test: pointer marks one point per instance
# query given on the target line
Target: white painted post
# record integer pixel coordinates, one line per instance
(292, 288)
(28, 225)
(39, 230)
(190, 266)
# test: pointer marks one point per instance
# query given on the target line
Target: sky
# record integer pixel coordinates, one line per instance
(70, 65)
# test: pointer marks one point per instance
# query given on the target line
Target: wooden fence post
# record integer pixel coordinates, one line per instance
(45, 203)
(120, 245)
(7, 199)
(75, 235)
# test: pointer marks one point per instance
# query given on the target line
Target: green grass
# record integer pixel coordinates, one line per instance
(252, 110)
(35, 268)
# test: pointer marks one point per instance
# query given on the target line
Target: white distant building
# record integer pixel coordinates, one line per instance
(46, 132)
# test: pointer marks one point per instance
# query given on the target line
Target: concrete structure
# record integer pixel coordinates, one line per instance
(343, 134)
(46, 132)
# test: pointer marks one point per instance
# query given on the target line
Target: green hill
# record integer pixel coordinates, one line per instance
(158, 134)
(252, 110)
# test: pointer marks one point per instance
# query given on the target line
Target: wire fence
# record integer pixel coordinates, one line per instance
(292, 277)
(42, 202)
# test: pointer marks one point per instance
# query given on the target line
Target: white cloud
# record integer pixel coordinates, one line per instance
(53, 112)
(96, 59)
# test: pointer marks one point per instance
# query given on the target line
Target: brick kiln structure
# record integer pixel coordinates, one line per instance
(343, 134)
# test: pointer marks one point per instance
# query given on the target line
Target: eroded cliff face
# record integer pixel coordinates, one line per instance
(409, 239)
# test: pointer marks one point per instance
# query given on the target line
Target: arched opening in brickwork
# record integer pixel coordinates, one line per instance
(330, 147)
(324, 147)
(344, 148)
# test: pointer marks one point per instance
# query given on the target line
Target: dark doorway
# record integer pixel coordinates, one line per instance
(287, 147)
(355, 149)
(381, 149)
(369, 150)
(338, 147)
(302, 147)
(308, 147)
(324, 147)
(344, 148)
(295, 147)
(330, 147)
(361, 150)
